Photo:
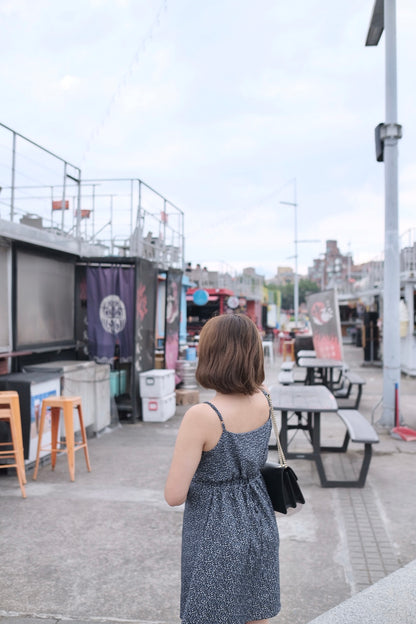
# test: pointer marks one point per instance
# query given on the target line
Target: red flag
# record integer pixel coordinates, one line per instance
(57, 204)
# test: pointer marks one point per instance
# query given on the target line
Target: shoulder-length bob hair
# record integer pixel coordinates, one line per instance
(230, 355)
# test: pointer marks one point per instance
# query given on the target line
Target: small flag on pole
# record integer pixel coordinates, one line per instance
(57, 204)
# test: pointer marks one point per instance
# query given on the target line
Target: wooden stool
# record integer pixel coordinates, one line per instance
(10, 413)
(289, 350)
(67, 404)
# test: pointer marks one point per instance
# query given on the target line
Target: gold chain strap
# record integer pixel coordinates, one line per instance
(282, 458)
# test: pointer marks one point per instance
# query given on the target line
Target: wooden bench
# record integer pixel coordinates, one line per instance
(358, 430)
(351, 380)
(286, 378)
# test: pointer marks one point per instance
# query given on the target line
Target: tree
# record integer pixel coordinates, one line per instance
(306, 287)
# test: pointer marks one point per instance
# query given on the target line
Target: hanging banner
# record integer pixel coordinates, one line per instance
(146, 288)
(173, 305)
(323, 312)
(110, 312)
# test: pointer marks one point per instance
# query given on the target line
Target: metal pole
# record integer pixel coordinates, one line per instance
(296, 280)
(296, 284)
(391, 296)
(63, 199)
(183, 239)
(140, 246)
(78, 221)
(131, 206)
(93, 213)
(13, 177)
(111, 224)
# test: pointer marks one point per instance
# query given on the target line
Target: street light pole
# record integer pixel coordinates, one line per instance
(384, 17)
(297, 241)
(296, 280)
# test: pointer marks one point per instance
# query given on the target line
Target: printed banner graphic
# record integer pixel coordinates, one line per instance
(110, 312)
(173, 302)
(145, 315)
(323, 312)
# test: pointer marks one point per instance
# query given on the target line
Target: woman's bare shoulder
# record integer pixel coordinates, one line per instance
(199, 411)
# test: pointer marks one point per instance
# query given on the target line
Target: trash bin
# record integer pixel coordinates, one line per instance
(371, 337)
(81, 378)
(32, 388)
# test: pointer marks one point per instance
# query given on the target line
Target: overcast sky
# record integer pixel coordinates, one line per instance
(227, 108)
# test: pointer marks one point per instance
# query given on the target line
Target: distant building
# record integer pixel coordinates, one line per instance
(332, 269)
(284, 275)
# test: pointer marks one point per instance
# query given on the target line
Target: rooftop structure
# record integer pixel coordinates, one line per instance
(49, 204)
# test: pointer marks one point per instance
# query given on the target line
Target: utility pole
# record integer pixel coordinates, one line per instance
(296, 280)
(384, 18)
(296, 241)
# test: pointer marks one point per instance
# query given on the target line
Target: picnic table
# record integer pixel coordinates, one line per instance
(312, 401)
(322, 369)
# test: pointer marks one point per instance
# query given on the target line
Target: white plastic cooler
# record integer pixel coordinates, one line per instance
(157, 391)
(157, 382)
(158, 409)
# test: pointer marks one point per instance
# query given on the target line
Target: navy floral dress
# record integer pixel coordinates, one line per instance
(230, 540)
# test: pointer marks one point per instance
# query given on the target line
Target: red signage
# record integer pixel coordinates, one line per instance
(323, 314)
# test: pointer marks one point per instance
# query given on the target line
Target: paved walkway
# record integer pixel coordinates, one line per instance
(378, 604)
(107, 547)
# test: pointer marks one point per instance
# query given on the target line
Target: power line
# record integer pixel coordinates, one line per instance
(125, 79)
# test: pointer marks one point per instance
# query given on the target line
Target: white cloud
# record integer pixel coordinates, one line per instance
(70, 83)
(219, 106)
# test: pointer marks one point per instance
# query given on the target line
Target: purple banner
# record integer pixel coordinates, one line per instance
(173, 304)
(110, 312)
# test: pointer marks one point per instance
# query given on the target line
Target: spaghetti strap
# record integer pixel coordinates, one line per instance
(218, 414)
(269, 401)
(266, 394)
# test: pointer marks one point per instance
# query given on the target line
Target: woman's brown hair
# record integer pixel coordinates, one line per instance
(230, 355)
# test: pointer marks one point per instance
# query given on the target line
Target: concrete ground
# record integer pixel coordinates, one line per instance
(107, 547)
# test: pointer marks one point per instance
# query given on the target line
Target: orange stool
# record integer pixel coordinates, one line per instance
(67, 404)
(10, 413)
(288, 350)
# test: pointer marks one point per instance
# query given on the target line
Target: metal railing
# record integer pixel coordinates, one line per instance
(408, 253)
(40, 183)
(121, 216)
(128, 217)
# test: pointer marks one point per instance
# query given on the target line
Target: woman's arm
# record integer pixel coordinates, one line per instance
(186, 456)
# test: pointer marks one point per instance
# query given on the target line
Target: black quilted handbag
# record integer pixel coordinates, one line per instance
(280, 479)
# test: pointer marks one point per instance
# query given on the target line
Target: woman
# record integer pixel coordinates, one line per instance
(230, 541)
